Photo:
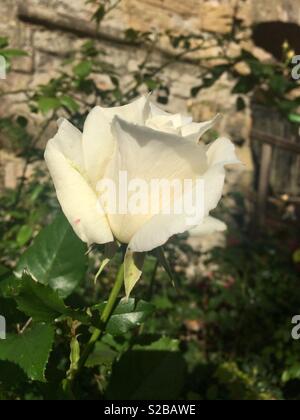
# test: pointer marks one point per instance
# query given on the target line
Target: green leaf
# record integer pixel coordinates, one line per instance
(24, 235)
(147, 375)
(46, 105)
(99, 14)
(291, 373)
(3, 42)
(9, 286)
(56, 258)
(294, 118)
(162, 302)
(12, 53)
(102, 355)
(240, 104)
(279, 84)
(29, 350)
(261, 70)
(42, 303)
(132, 35)
(244, 85)
(296, 256)
(163, 344)
(39, 302)
(126, 316)
(83, 70)
(151, 84)
(195, 90)
(69, 103)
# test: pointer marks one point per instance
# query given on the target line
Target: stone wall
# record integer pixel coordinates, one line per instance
(47, 29)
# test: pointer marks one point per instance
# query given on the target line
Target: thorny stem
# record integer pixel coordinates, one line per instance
(97, 334)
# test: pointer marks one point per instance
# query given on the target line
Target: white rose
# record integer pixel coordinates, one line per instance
(148, 143)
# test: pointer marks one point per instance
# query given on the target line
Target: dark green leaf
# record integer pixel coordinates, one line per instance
(132, 35)
(127, 315)
(48, 104)
(195, 90)
(69, 103)
(147, 375)
(9, 285)
(12, 53)
(42, 303)
(83, 70)
(3, 42)
(245, 85)
(217, 71)
(39, 302)
(240, 104)
(29, 350)
(99, 14)
(24, 235)
(261, 70)
(102, 355)
(56, 258)
(279, 84)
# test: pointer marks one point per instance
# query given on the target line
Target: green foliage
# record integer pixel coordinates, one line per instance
(30, 350)
(127, 315)
(136, 375)
(9, 53)
(56, 258)
(225, 336)
(103, 354)
(42, 303)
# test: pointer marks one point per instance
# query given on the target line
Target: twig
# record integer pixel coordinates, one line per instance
(28, 323)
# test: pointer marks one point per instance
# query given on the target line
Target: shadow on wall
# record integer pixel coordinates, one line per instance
(271, 36)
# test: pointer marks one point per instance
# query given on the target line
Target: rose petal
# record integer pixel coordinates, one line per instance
(98, 141)
(159, 119)
(209, 226)
(69, 142)
(195, 131)
(64, 159)
(147, 155)
(220, 153)
(157, 231)
(160, 228)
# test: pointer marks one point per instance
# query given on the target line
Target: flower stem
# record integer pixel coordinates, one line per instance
(106, 314)
(97, 334)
